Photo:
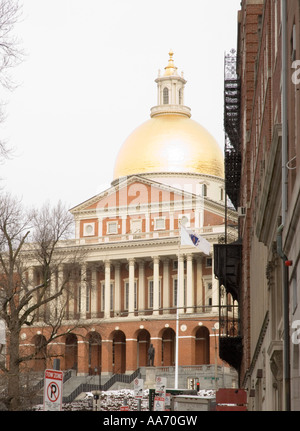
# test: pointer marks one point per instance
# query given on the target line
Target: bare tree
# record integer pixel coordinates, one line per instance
(26, 239)
(10, 55)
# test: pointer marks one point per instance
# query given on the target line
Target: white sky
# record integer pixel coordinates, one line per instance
(88, 81)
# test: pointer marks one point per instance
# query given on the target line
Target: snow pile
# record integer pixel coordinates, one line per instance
(207, 393)
(113, 400)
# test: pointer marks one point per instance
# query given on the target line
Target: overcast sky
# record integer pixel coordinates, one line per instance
(87, 82)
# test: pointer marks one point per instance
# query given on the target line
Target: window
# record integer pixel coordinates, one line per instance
(88, 297)
(175, 287)
(79, 298)
(204, 190)
(180, 96)
(159, 223)
(126, 298)
(151, 292)
(136, 226)
(165, 96)
(112, 227)
(208, 262)
(103, 296)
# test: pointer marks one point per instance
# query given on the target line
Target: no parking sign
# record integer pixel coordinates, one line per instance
(53, 390)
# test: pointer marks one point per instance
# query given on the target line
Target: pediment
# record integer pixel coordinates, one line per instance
(133, 192)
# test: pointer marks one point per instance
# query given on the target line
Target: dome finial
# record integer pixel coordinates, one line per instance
(170, 69)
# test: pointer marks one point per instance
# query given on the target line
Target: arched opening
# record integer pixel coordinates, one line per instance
(119, 352)
(168, 347)
(71, 352)
(95, 353)
(143, 341)
(40, 347)
(165, 96)
(202, 346)
(180, 96)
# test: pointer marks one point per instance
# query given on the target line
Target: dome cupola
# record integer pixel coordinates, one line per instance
(170, 141)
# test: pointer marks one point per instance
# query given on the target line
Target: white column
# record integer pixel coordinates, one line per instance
(63, 298)
(53, 304)
(100, 226)
(83, 285)
(124, 219)
(189, 284)
(131, 287)
(180, 284)
(117, 307)
(31, 285)
(171, 221)
(155, 285)
(72, 286)
(166, 286)
(94, 295)
(107, 289)
(77, 228)
(147, 224)
(141, 285)
(199, 283)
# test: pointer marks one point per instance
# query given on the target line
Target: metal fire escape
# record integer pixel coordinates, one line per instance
(227, 255)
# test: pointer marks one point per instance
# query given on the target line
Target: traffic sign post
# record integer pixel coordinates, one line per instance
(53, 387)
(138, 388)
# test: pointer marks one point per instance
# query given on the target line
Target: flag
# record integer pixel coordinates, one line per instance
(191, 238)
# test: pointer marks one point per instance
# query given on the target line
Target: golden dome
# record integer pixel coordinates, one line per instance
(170, 143)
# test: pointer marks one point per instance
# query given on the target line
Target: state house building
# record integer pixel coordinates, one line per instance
(124, 298)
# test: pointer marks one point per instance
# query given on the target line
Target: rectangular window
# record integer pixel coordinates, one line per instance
(111, 303)
(208, 262)
(112, 227)
(126, 298)
(151, 293)
(79, 298)
(88, 297)
(136, 226)
(175, 287)
(159, 223)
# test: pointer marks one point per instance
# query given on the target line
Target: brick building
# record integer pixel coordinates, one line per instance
(268, 201)
(169, 171)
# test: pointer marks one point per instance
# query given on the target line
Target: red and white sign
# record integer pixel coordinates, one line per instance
(124, 408)
(138, 387)
(53, 387)
(159, 404)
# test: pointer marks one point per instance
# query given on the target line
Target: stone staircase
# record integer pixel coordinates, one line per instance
(206, 375)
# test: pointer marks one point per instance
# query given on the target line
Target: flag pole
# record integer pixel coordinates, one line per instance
(177, 314)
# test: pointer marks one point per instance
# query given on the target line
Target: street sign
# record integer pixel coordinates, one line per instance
(53, 388)
(138, 387)
(161, 384)
(124, 408)
(159, 404)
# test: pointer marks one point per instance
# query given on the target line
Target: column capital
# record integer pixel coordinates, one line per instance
(181, 257)
(117, 265)
(156, 259)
